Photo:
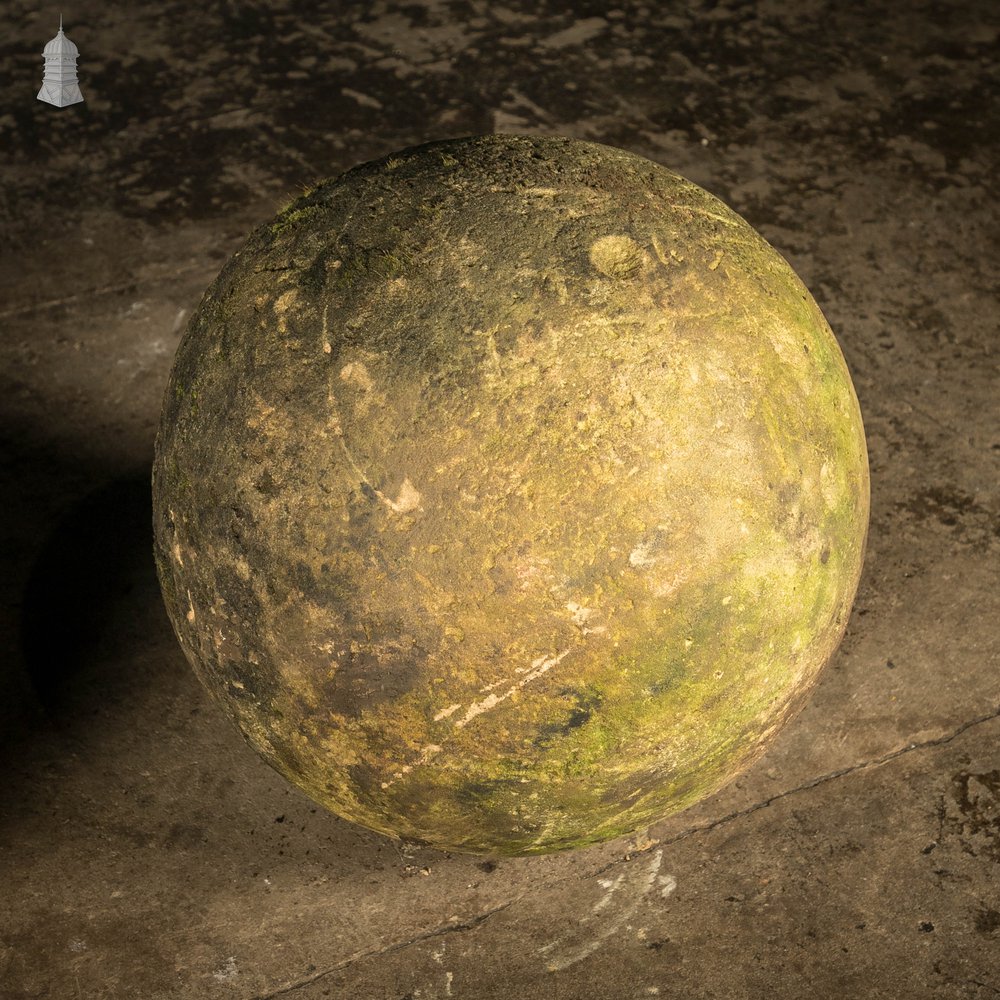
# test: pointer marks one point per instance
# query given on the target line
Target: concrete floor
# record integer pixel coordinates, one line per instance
(146, 852)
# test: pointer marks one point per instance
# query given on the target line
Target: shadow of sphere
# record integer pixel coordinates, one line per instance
(80, 597)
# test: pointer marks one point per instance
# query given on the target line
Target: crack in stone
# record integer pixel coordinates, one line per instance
(93, 293)
(985, 986)
(473, 922)
(812, 783)
(451, 927)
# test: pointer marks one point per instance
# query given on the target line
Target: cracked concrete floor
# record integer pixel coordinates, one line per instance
(145, 852)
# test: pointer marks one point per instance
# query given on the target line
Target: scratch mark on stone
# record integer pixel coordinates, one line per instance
(633, 891)
(710, 215)
(538, 667)
(612, 885)
(282, 305)
(453, 926)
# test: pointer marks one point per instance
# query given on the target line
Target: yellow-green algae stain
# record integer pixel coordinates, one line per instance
(509, 493)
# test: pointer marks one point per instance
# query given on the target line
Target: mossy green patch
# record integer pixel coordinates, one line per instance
(292, 218)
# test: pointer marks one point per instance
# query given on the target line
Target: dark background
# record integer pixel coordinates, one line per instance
(146, 852)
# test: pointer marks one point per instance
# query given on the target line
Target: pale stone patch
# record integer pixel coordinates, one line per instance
(365, 100)
(408, 499)
(227, 971)
(642, 556)
(282, 304)
(576, 34)
(357, 373)
(617, 256)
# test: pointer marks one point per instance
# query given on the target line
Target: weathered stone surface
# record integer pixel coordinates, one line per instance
(509, 493)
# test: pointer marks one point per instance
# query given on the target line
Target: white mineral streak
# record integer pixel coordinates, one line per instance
(667, 884)
(631, 891)
(538, 667)
(732, 223)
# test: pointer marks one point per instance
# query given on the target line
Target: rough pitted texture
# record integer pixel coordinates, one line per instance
(509, 493)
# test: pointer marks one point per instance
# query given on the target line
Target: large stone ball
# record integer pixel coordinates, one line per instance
(510, 492)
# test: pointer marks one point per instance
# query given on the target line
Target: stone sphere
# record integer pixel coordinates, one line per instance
(510, 492)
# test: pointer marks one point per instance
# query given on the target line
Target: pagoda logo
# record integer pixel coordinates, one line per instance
(59, 85)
